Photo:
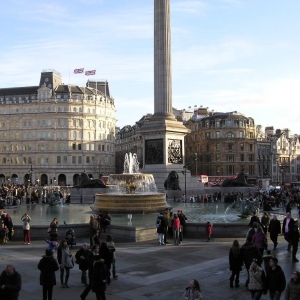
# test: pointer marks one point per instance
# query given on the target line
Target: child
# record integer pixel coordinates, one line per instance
(208, 230)
(52, 245)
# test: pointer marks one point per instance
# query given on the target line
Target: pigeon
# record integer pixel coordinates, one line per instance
(65, 223)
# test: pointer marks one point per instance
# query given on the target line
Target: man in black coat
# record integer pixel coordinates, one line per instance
(275, 230)
(81, 258)
(10, 284)
(91, 258)
(287, 229)
(276, 279)
(249, 252)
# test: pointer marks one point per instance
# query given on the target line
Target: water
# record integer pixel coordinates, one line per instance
(43, 214)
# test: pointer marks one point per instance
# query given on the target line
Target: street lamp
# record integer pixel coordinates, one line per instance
(282, 171)
(196, 158)
(30, 174)
(184, 173)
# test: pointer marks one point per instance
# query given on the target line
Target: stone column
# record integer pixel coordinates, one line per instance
(162, 60)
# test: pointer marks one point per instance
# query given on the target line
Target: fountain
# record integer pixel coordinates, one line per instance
(130, 192)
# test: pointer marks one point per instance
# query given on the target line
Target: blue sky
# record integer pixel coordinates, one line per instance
(227, 55)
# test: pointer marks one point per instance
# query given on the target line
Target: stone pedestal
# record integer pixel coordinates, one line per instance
(85, 195)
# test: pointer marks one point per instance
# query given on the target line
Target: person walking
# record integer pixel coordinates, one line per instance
(26, 228)
(167, 221)
(193, 291)
(53, 230)
(295, 240)
(275, 279)
(10, 284)
(81, 258)
(111, 246)
(208, 231)
(94, 229)
(257, 279)
(160, 228)
(292, 291)
(265, 221)
(249, 252)
(8, 223)
(106, 254)
(65, 261)
(182, 218)
(235, 263)
(287, 226)
(176, 229)
(259, 239)
(48, 266)
(92, 257)
(101, 278)
(275, 230)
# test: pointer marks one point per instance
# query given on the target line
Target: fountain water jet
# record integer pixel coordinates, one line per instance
(131, 192)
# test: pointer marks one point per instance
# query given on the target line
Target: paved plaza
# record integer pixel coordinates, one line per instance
(146, 270)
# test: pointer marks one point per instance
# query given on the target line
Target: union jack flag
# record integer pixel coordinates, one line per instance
(78, 71)
(93, 72)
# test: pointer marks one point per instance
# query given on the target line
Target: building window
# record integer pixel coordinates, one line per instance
(229, 135)
(73, 160)
(73, 146)
(230, 158)
(242, 147)
(241, 134)
(230, 170)
(87, 159)
(218, 157)
(218, 147)
(230, 147)
(65, 160)
(250, 157)
(79, 159)
(250, 147)
(218, 134)
(58, 159)
(79, 146)
(242, 157)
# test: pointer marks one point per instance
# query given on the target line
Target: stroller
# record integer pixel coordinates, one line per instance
(70, 237)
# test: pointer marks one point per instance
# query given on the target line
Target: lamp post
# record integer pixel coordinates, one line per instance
(184, 173)
(196, 159)
(282, 173)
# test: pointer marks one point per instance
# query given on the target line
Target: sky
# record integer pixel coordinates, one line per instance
(227, 55)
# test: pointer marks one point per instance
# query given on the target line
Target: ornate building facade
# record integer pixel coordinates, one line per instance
(52, 132)
(221, 144)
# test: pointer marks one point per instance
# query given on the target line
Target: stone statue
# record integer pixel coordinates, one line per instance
(53, 198)
(172, 182)
(86, 182)
(240, 180)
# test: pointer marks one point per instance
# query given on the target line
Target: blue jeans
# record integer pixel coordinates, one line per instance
(274, 296)
(255, 295)
(83, 276)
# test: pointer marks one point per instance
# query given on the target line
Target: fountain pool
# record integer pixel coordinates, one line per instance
(42, 214)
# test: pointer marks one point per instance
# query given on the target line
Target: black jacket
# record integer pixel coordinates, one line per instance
(48, 265)
(248, 252)
(83, 263)
(101, 276)
(235, 261)
(91, 258)
(12, 285)
(274, 227)
(276, 279)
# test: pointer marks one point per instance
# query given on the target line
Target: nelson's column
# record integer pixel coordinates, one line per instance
(163, 134)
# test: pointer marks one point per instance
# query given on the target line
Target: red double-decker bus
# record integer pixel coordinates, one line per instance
(214, 180)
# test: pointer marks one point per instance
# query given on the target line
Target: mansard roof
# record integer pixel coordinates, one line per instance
(19, 90)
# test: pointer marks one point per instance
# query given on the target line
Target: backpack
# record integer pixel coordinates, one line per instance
(158, 222)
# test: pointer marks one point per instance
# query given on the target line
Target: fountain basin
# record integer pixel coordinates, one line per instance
(130, 203)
